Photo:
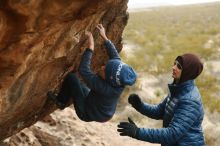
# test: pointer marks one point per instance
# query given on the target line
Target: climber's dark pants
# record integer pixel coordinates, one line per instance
(73, 89)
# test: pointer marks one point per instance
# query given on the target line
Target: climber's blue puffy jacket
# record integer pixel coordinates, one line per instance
(182, 113)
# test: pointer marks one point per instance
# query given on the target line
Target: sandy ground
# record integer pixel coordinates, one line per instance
(74, 132)
(63, 128)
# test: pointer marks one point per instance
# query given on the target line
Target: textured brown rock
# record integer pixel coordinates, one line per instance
(40, 41)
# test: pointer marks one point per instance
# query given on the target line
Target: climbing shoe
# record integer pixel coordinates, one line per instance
(53, 97)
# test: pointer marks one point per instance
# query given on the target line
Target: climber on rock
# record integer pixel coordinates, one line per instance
(96, 100)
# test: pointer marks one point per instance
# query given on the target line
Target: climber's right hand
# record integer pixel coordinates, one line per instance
(135, 101)
(102, 31)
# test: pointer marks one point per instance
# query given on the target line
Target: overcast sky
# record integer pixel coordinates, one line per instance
(147, 3)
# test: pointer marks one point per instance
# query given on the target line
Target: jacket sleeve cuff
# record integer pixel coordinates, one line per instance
(107, 42)
(90, 50)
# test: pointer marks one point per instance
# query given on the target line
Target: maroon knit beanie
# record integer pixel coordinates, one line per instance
(192, 67)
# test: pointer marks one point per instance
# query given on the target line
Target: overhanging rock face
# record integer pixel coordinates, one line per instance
(41, 41)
